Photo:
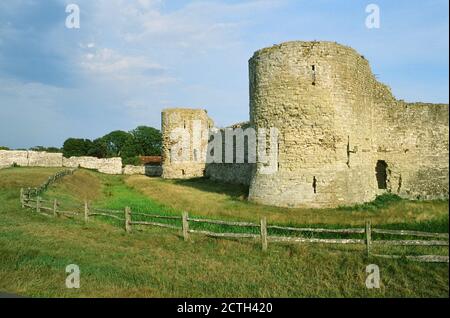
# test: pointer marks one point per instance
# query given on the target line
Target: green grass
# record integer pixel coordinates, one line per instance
(153, 262)
(111, 192)
(380, 202)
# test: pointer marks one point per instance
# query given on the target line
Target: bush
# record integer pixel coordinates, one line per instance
(380, 201)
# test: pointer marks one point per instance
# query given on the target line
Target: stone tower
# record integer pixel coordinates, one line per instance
(343, 137)
(185, 142)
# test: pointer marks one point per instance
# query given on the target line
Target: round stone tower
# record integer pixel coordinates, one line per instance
(319, 95)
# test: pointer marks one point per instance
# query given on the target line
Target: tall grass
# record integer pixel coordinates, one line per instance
(34, 252)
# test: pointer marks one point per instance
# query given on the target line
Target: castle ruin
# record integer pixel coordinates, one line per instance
(343, 137)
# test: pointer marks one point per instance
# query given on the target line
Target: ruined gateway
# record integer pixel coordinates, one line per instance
(344, 138)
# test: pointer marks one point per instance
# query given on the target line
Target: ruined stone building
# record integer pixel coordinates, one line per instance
(343, 137)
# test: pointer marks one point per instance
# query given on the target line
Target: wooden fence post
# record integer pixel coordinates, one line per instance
(368, 237)
(22, 198)
(86, 211)
(55, 208)
(185, 224)
(264, 233)
(38, 204)
(127, 219)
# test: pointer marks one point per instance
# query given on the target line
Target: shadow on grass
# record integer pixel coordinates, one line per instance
(237, 192)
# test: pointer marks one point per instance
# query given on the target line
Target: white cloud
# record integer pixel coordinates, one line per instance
(108, 63)
(198, 25)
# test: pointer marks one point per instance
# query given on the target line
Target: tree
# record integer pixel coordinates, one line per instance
(98, 148)
(4, 148)
(47, 149)
(74, 147)
(115, 141)
(142, 141)
(147, 140)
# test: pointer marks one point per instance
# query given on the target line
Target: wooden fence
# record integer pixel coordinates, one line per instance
(29, 192)
(86, 212)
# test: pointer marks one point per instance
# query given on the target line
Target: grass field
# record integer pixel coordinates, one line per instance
(152, 262)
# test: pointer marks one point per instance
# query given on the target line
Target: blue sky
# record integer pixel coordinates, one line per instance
(132, 58)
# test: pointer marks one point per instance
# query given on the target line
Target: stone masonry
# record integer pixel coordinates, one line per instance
(26, 158)
(344, 138)
(184, 157)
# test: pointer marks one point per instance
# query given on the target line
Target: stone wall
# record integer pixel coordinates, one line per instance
(239, 173)
(148, 170)
(413, 141)
(11, 157)
(44, 159)
(26, 158)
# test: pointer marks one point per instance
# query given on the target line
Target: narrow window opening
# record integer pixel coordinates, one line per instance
(399, 183)
(183, 172)
(246, 149)
(381, 173)
(313, 67)
(235, 150)
(314, 185)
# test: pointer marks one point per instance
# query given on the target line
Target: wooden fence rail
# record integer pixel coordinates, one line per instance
(43, 187)
(411, 233)
(317, 230)
(411, 242)
(127, 215)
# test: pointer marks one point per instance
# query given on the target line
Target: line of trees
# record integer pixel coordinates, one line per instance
(37, 148)
(142, 141)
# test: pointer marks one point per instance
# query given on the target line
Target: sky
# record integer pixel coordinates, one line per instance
(132, 58)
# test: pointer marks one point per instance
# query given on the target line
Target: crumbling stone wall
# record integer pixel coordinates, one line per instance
(26, 158)
(44, 159)
(412, 138)
(11, 157)
(148, 170)
(344, 138)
